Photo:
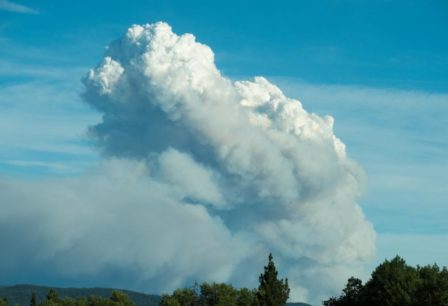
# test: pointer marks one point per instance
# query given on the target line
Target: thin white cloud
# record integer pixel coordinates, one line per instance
(42, 117)
(417, 249)
(51, 167)
(11, 68)
(16, 8)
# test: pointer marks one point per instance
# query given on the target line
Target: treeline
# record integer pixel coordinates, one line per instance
(21, 294)
(117, 298)
(271, 292)
(211, 294)
(394, 283)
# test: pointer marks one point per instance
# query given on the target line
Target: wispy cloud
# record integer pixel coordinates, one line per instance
(49, 167)
(418, 249)
(42, 120)
(16, 8)
(11, 69)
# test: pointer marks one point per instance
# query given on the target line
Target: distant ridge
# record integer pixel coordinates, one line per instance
(21, 294)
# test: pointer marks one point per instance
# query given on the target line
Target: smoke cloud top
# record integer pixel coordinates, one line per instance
(202, 177)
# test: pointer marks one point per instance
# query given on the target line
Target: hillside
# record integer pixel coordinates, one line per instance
(21, 294)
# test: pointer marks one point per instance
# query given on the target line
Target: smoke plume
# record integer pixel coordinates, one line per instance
(202, 177)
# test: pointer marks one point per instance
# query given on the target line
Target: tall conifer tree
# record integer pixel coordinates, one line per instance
(272, 291)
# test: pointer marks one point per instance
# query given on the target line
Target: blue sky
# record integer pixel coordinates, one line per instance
(380, 68)
(385, 43)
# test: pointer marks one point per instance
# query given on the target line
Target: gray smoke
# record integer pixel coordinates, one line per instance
(202, 177)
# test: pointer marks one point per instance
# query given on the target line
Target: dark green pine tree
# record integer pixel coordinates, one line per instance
(52, 299)
(33, 301)
(52, 296)
(272, 291)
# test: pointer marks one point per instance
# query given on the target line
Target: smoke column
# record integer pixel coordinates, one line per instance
(201, 178)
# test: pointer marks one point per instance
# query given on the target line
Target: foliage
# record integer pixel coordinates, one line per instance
(119, 298)
(433, 286)
(247, 297)
(218, 294)
(33, 301)
(20, 294)
(52, 299)
(350, 295)
(210, 295)
(181, 297)
(394, 283)
(272, 291)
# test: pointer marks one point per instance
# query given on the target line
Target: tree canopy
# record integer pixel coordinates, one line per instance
(394, 283)
(271, 292)
(117, 298)
(211, 295)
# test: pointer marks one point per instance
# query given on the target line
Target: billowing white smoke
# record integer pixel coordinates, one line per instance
(203, 178)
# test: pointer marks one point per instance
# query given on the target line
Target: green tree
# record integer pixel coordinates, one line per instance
(432, 288)
(52, 299)
(247, 297)
(393, 283)
(211, 295)
(350, 294)
(33, 301)
(120, 299)
(95, 301)
(272, 291)
(218, 295)
(169, 300)
(52, 295)
(352, 291)
(3, 302)
(68, 301)
(182, 297)
(332, 302)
